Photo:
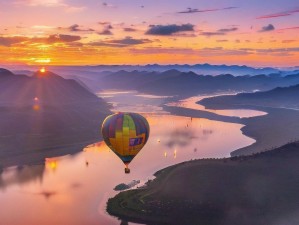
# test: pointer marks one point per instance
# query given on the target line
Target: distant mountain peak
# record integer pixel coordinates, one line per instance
(45, 74)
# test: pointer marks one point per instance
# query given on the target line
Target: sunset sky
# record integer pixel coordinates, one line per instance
(89, 32)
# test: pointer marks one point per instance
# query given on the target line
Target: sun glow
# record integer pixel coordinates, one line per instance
(43, 70)
(42, 60)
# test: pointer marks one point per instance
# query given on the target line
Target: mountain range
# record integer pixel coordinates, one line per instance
(204, 69)
(174, 82)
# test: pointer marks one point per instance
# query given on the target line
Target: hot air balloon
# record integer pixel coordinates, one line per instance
(125, 134)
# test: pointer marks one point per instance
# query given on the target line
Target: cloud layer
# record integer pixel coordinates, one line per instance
(56, 38)
(119, 43)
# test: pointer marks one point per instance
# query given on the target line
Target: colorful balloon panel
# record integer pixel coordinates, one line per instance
(125, 134)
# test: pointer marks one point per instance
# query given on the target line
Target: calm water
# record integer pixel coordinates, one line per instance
(191, 104)
(73, 190)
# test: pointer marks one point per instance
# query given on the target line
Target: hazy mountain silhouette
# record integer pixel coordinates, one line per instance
(197, 68)
(129, 80)
(278, 97)
(89, 79)
(50, 88)
(45, 115)
(5, 72)
(174, 82)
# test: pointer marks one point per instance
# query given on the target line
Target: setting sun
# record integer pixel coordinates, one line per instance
(42, 70)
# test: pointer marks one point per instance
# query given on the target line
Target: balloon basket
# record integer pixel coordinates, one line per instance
(127, 170)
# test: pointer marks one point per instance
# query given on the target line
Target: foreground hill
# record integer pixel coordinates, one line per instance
(258, 189)
(45, 115)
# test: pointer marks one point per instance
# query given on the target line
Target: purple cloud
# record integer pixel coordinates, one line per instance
(280, 14)
(167, 30)
(267, 28)
(125, 42)
(190, 10)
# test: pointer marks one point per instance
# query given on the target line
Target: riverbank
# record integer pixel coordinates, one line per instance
(37, 156)
(278, 127)
(219, 191)
(269, 131)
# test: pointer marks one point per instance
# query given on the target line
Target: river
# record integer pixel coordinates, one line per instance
(73, 189)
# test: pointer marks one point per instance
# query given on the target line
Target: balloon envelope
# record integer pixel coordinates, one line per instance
(125, 134)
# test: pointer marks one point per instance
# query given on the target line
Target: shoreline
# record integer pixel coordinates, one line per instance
(270, 131)
(38, 157)
(260, 128)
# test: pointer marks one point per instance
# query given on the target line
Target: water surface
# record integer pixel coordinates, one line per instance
(191, 103)
(74, 189)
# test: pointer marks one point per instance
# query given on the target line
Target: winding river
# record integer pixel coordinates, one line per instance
(73, 189)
